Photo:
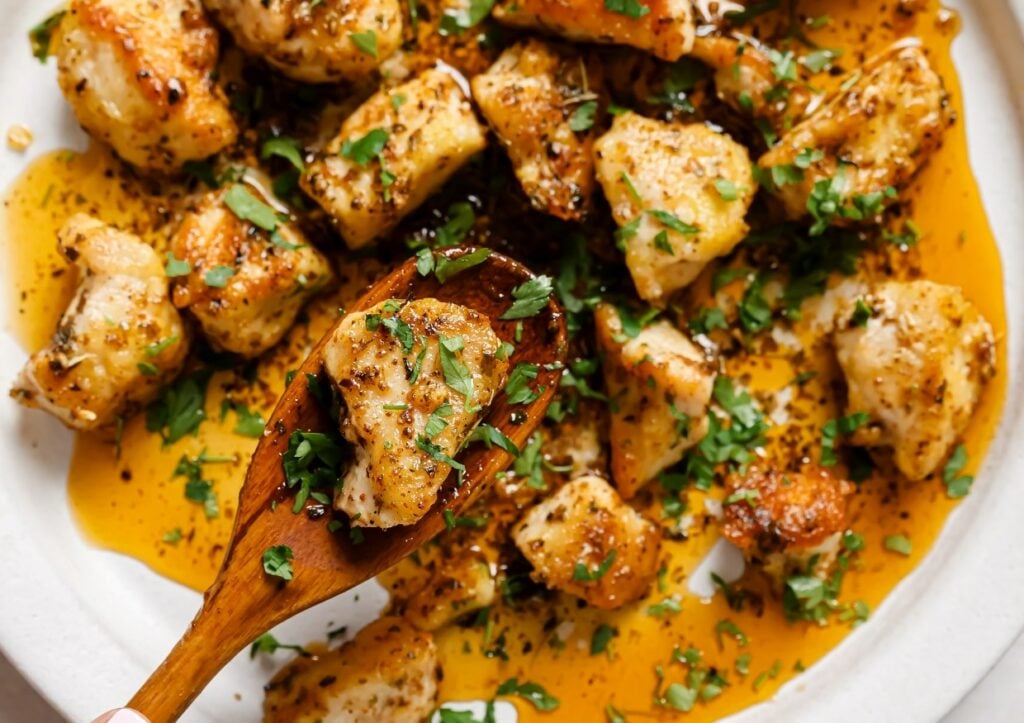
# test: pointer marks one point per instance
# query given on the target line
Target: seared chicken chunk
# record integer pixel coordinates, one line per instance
(138, 75)
(399, 147)
(871, 137)
(531, 96)
(660, 385)
(679, 193)
(314, 42)
(388, 672)
(434, 592)
(415, 378)
(916, 367)
(120, 339)
(781, 520)
(246, 284)
(745, 78)
(664, 28)
(584, 540)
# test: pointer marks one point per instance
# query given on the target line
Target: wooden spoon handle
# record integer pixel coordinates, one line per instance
(215, 636)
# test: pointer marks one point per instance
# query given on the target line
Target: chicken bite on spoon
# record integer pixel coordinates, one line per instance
(414, 379)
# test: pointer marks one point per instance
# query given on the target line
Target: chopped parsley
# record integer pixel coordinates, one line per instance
(583, 117)
(436, 421)
(312, 462)
(277, 562)
(673, 222)
(533, 692)
(180, 407)
(268, 644)
(456, 375)
(581, 573)
(218, 276)
(899, 544)
(249, 423)
(833, 429)
(176, 267)
(366, 42)
(197, 488)
(363, 150)
(156, 348)
(630, 8)
(668, 606)
(454, 21)
(517, 390)
(283, 147)
(493, 437)
(451, 521)
(530, 297)
(40, 35)
(727, 190)
(603, 635)
(957, 485)
(247, 207)
(445, 268)
(862, 313)
(435, 452)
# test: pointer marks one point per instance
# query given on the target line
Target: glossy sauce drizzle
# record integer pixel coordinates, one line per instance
(129, 503)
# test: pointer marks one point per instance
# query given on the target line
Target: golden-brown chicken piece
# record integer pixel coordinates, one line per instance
(746, 79)
(314, 42)
(871, 137)
(246, 284)
(433, 592)
(916, 367)
(399, 147)
(660, 384)
(388, 672)
(664, 28)
(781, 520)
(120, 338)
(415, 378)
(532, 97)
(139, 76)
(584, 540)
(679, 194)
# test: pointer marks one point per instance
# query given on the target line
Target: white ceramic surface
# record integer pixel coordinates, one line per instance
(86, 626)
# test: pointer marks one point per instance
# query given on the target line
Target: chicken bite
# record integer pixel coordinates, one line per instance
(584, 540)
(415, 378)
(660, 386)
(785, 521)
(398, 147)
(388, 672)
(664, 28)
(314, 42)
(916, 366)
(679, 193)
(139, 76)
(530, 97)
(866, 140)
(436, 591)
(745, 79)
(245, 284)
(120, 338)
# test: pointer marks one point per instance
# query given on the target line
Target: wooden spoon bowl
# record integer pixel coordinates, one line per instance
(244, 602)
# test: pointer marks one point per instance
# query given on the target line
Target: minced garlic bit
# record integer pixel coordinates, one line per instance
(19, 137)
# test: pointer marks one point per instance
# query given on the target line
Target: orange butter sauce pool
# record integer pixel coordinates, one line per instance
(129, 503)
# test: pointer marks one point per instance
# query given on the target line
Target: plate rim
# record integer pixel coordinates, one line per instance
(995, 625)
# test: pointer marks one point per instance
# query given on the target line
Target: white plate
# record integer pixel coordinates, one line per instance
(87, 626)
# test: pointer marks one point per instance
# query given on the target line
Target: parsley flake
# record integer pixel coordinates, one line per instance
(277, 562)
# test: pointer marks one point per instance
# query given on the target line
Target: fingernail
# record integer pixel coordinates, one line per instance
(126, 715)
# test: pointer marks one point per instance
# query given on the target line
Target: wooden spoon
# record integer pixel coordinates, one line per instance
(244, 602)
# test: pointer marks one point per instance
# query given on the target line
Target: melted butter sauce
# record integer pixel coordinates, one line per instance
(128, 502)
